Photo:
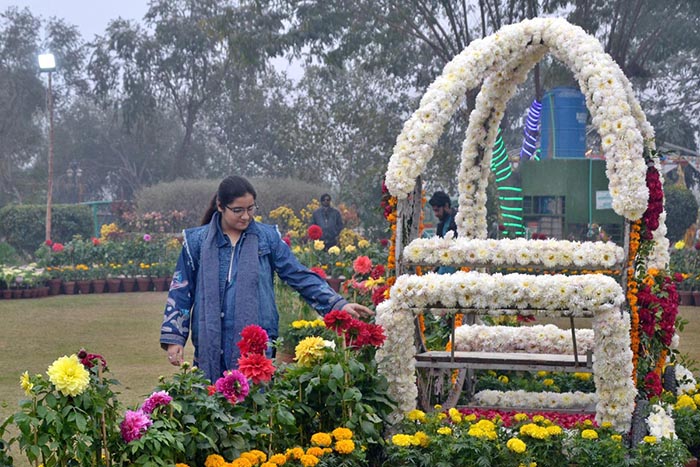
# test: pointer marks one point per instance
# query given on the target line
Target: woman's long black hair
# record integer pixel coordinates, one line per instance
(230, 188)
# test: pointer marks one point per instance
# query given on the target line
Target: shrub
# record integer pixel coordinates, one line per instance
(8, 255)
(193, 196)
(23, 226)
(681, 209)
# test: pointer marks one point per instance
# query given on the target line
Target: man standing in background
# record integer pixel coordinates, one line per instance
(330, 221)
(442, 208)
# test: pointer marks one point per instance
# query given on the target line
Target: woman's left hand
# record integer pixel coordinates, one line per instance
(357, 311)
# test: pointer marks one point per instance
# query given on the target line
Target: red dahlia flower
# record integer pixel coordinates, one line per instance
(256, 367)
(319, 271)
(253, 340)
(314, 232)
(362, 265)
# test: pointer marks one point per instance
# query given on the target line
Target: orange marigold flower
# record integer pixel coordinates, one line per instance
(345, 446)
(278, 459)
(321, 439)
(342, 433)
(314, 451)
(309, 461)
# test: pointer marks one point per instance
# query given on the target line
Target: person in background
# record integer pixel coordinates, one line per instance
(442, 208)
(330, 221)
(223, 282)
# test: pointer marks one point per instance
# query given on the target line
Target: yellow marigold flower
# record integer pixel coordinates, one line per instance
(240, 462)
(679, 245)
(180, 464)
(457, 418)
(588, 422)
(278, 459)
(445, 430)
(268, 464)
(503, 379)
(516, 445)
(319, 245)
(416, 415)
(589, 434)
(214, 460)
(519, 417)
(334, 250)
(684, 401)
(606, 425)
(262, 457)
(554, 430)
(309, 461)
(314, 451)
(696, 399)
(548, 382)
(538, 418)
(69, 376)
(363, 243)
(453, 412)
(650, 439)
(402, 440)
(350, 249)
(542, 373)
(470, 418)
(534, 431)
(342, 433)
(422, 438)
(437, 406)
(345, 446)
(321, 439)
(617, 438)
(296, 249)
(25, 383)
(583, 376)
(441, 416)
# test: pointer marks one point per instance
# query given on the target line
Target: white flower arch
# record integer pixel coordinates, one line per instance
(502, 61)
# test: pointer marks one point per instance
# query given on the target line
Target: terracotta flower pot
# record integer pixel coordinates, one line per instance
(16, 293)
(83, 286)
(55, 286)
(28, 293)
(685, 297)
(42, 292)
(696, 297)
(161, 284)
(114, 285)
(144, 284)
(129, 284)
(6, 294)
(69, 287)
(98, 285)
(334, 282)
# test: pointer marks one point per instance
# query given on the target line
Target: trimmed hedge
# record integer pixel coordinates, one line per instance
(193, 196)
(23, 226)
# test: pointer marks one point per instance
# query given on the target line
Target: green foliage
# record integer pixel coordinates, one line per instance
(681, 211)
(603, 449)
(663, 452)
(23, 226)
(8, 254)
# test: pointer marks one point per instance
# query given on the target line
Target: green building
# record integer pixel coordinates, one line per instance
(568, 199)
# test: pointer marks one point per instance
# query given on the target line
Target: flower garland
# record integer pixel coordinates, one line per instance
(537, 400)
(632, 290)
(514, 252)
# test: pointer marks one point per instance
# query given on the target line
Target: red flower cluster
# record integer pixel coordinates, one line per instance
(377, 272)
(379, 294)
(386, 206)
(90, 360)
(253, 363)
(664, 301)
(652, 384)
(253, 340)
(319, 271)
(314, 232)
(57, 247)
(356, 333)
(288, 240)
(564, 420)
(650, 219)
(362, 265)
(95, 241)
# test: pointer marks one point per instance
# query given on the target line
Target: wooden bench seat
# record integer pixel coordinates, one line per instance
(516, 361)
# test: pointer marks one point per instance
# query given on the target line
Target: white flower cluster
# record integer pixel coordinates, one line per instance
(685, 380)
(552, 254)
(660, 422)
(581, 295)
(537, 400)
(531, 339)
(612, 369)
(395, 358)
(503, 59)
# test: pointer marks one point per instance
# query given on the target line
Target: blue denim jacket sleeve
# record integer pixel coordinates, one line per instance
(314, 290)
(177, 319)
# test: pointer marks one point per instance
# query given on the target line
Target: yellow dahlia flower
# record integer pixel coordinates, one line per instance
(309, 350)
(25, 382)
(69, 376)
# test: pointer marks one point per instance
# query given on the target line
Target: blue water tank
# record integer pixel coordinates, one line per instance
(564, 116)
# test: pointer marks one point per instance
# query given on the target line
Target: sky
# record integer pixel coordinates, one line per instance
(91, 16)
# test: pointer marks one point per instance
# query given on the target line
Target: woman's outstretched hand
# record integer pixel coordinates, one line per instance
(357, 311)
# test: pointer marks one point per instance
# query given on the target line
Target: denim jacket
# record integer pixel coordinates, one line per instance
(274, 255)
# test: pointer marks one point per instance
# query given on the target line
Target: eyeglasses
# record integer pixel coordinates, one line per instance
(238, 211)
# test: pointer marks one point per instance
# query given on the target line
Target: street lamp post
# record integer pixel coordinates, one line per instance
(47, 63)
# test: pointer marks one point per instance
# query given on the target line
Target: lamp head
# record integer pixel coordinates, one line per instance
(47, 62)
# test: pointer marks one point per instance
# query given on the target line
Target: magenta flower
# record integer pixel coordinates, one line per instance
(233, 385)
(155, 400)
(134, 425)
(146, 238)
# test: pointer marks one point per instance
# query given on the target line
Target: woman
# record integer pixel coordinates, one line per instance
(224, 281)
